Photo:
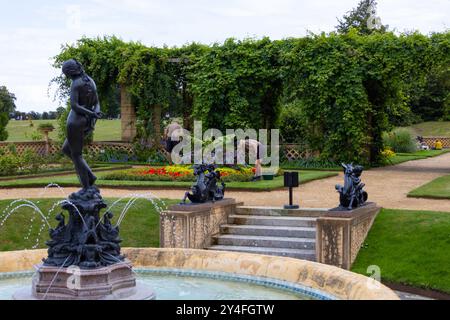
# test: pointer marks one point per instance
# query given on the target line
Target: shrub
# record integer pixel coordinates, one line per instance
(311, 163)
(9, 165)
(14, 164)
(388, 153)
(31, 162)
(46, 127)
(400, 141)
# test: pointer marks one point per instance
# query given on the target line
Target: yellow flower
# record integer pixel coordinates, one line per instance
(388, 153)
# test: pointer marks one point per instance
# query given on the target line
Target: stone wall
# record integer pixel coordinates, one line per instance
(193, 226)
(340, 235)
(340, 283)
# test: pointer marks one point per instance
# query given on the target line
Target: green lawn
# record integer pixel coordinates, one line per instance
(423, 154)
(71, 181)
(139, 229)
(431, 128)
(18, 131)
(436, 189)
(410, 247)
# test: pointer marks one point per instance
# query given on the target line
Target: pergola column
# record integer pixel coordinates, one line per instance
(128, 115)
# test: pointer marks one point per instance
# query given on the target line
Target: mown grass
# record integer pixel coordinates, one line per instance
(140, 228)
(19, 131)
(436, 189)
(410, 247)
(72, 181)
(431, 128)
(418, 155)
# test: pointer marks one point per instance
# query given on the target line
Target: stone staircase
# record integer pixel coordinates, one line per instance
(267, 232)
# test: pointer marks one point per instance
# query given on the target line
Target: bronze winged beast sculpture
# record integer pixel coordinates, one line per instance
(352, 194)
(205, 188)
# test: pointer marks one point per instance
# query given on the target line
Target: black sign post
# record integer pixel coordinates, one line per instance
(291, 181)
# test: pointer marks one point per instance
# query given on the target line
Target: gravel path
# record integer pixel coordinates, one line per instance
(386, 186)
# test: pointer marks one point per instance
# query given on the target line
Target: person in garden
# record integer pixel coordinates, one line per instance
(255, 147)
(169, 137)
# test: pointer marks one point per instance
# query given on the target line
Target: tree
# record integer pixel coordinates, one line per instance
(33, 115)
(7, 100)
(52, 115)
(363, 18)
(7, 106)
(60, 111)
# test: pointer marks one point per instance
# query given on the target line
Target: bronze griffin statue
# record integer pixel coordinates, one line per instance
(205, 188)
(352, 194)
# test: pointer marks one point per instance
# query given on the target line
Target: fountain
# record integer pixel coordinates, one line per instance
(84, 256)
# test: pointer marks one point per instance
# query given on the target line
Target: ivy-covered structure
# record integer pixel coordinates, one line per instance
(338, 92)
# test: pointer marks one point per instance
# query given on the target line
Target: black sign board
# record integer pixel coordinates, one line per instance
(291, 180)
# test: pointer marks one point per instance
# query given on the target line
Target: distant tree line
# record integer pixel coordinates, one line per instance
(33, 115)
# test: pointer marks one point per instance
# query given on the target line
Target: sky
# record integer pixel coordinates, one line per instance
(32, 32)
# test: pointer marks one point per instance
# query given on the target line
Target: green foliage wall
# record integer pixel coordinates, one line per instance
(237, 84)
(347, 89)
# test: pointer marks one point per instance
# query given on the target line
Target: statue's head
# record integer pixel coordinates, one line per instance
(357, 170)
(72, 68)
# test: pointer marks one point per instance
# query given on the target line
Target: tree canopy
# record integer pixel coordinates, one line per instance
(362, 18)
(7, 106)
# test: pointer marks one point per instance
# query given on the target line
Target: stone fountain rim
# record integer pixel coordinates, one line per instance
(333, 281)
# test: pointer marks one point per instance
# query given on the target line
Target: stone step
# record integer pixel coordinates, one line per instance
(272, 221)
(271, 231)
(279, 212)
(282, 252)
(262, 241)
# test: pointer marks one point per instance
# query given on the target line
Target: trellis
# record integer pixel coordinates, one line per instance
(39, 147)
(430, 141)
(293, 152)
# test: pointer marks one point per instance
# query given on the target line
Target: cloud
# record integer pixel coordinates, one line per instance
(33, 32)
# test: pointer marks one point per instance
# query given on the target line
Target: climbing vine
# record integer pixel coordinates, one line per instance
(347, 89)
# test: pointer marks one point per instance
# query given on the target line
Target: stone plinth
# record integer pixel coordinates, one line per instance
(340, 234)
(193, 226)
(115, 282)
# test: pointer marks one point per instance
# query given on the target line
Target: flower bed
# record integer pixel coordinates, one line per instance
(178, 173)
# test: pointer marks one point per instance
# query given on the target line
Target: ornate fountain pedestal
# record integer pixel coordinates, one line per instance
(84, 257)
(115, 282)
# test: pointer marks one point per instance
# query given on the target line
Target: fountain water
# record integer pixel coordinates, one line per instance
(88, 241)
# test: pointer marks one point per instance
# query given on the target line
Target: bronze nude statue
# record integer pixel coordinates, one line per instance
(85, 241)
(85, 110)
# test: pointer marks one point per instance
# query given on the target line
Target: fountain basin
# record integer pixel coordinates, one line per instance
(317, 280)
